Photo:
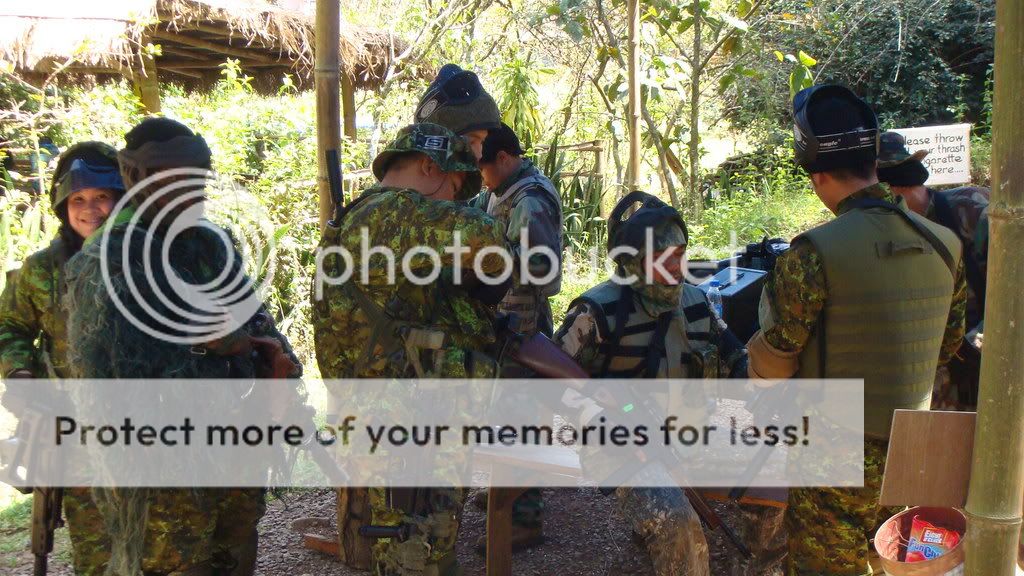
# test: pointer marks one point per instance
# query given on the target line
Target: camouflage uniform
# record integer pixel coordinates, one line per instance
(535, 210)
(663, 517)
(343, 318)
(204, 529)
(968, 206)
(829, 528)
(30, 308)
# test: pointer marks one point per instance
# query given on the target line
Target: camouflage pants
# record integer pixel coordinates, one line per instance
(430, 548)
(90, 545)
(667, 524)
(184, 529)
(764, 534)
(830, 528)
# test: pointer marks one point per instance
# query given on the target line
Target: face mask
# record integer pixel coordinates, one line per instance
(656, 298)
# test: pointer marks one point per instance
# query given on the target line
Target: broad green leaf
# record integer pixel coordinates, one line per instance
(780, 56)
(743, 8)
(684, 24)
(806, 59)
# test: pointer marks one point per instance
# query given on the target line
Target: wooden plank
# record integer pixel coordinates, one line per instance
(929, 460)
(215, 47)
(353, 511)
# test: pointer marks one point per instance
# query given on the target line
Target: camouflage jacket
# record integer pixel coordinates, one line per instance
(30, 311)
(105, 343)
(968, 217)
(400, 220)
(796, 291)
(532, 218)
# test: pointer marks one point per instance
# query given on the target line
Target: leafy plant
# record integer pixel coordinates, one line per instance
(517, 80)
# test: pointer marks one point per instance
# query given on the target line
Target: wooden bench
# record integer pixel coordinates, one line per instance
(503, 463)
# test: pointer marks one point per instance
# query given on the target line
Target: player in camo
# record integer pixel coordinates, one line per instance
(362, 327)
(86, 185)
(527, 206)
(613, 331)
(963, 210)
(891, 285)
(164, 531)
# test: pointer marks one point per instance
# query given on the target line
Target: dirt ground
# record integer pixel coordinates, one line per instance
(585, 536)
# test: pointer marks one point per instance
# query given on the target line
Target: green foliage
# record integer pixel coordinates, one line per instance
(760, 194)
(581, 196)
(517, 82)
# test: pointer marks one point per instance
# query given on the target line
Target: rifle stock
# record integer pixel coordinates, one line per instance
(46, 504)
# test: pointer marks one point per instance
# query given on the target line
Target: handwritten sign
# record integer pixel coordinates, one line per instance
(949, 151)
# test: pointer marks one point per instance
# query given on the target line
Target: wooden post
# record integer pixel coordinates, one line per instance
(994, 497)
(328, 104)
(145, 79)
(633, 170)
(348, 101)
(353, 511)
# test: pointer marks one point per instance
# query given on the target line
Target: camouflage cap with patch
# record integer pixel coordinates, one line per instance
(893, 151)
(450, 152)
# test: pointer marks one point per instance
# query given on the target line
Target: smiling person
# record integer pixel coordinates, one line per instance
(86, 185)
(646, 323)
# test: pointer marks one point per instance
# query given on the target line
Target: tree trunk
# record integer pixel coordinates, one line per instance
(633, 16)
(696, 202)
(994, 499)
(328, 103)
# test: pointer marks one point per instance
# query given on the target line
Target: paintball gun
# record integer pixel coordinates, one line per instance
(623, 405)
(22, 452)
(46, 503)
(334, 182)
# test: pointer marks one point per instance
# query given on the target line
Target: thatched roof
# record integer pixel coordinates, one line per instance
(195, 38)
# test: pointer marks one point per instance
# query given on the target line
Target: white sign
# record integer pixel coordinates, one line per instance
(949, 151)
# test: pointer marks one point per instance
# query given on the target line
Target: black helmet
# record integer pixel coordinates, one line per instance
(833, 129)
(632, 231)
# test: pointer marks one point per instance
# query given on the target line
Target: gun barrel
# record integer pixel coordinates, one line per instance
(400, 532)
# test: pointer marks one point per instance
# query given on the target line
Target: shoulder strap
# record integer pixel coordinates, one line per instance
(621, 315)
(939, 245)
(656, 348)
(944, 213)
(518, 187)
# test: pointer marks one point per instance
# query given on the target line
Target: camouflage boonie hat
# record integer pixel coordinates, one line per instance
(450, 152)
(892, 150)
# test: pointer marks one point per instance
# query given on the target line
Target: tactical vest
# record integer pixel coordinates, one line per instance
(889, 293)
(529, 303)
(631, 345)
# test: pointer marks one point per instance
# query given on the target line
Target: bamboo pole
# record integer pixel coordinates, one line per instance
(997, 484)
(633, 169)
(328, 103)
(146, 81)
(348, 100)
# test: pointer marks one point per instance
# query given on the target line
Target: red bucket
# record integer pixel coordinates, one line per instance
(892, 538)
